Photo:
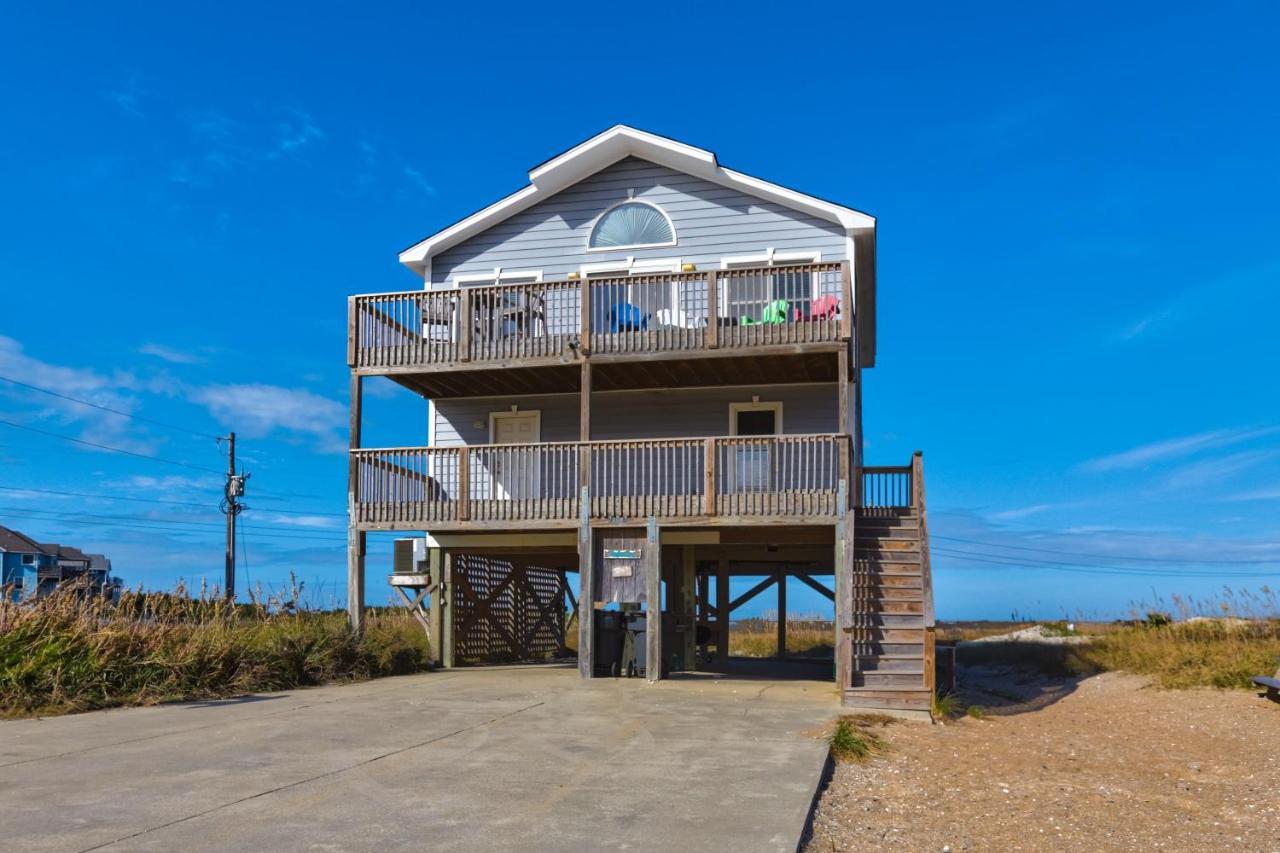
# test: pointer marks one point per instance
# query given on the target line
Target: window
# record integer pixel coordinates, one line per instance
(28, 559)
(750, 295)
(632, 225)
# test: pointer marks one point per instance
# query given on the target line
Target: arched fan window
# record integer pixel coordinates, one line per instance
(630, 225)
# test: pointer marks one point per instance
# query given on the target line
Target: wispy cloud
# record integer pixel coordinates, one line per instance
(1144, 325)
(419, 180)
(111, 391)
(1267, 493)
(169, 354)
(1215, 472)
(1021, 512)
(291, 136)
(126, 97)
(318, 522)
(1174, 448)
(258, 410)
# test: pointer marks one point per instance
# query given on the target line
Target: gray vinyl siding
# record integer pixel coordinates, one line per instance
(711, 222)
(668, 413)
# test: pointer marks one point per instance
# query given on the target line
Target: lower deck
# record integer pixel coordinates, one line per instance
(512, 596)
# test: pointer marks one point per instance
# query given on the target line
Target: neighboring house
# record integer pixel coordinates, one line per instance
(35, 570)
(22, 559)
(650, 365)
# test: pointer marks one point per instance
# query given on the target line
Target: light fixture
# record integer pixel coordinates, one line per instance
(688, 267)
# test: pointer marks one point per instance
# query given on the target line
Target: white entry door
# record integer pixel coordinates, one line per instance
(751, 465)
(516, 472)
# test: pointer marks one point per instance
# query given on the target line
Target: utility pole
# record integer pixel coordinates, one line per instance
(231, 507)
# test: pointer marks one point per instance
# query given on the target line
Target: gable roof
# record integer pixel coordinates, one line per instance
(604, 149)
(620, 141)
(18, 543)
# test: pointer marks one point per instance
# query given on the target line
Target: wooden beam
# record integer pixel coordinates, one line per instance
(813, 584)
(653, 600)
(722, 610)
(752, 593)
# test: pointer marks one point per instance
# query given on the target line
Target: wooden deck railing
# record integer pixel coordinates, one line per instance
(784, 477)
(886, 486)
(667, 312)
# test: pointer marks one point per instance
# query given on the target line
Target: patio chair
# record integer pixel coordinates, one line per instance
(625, 317)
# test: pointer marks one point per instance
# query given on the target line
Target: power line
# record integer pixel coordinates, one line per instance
(107, 408)
(105, 497)
(151, 520)
(79, 522)
(1103, 556)
(112, 449)
(172, 525)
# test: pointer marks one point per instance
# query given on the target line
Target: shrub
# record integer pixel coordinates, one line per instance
(850, 741)
(64, 653)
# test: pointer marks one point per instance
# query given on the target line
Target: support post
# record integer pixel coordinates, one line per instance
(844, 582)
(689, 607)
(722, 611)
(653, 598)
(712, 337)
(356, 539)
(446, 621)
(586, 601)
(464, 483)
(842, 360)
(782, 614)
(709, 477)
(584, 404)
(435, 612)
(468, 323)
(584, 301)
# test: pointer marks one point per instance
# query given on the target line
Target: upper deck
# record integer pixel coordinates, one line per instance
(746, 311)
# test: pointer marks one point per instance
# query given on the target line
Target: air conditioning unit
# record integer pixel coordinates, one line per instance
(409, 557)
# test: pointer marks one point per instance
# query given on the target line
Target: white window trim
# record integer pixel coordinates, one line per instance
(755, 406)
(499, 276)
(630, 265)
(514, 412)
(592, 230)
(770, 258)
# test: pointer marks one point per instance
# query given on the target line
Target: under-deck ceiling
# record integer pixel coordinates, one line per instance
(610, 374)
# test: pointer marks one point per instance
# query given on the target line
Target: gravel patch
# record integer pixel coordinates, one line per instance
(1105, 763)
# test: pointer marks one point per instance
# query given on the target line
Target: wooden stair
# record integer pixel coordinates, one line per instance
(892, 607)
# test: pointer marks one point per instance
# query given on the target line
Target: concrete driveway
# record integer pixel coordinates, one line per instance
(512, 758)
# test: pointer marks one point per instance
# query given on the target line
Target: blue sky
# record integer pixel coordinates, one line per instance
(1079, 268)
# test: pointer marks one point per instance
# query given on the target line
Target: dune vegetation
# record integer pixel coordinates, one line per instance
(68, 653)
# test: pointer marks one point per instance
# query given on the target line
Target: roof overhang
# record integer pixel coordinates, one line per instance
(620, 141)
